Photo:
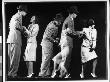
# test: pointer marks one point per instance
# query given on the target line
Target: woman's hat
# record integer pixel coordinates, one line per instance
(73, 9)
(22, 8)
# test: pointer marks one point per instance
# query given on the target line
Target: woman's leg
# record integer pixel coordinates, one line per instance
(64, 65)
(94, 68)
(30, 68)
(83, 70)
(54, 70)
(57, 60)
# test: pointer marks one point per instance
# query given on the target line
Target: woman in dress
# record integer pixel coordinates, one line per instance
(30, 52)
(88, 47)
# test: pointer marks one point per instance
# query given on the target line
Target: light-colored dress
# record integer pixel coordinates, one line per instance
(88, 41)
(30, 52)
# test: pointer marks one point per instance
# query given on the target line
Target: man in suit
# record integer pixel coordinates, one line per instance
(14, 40)
(62, 59)
(49, 38)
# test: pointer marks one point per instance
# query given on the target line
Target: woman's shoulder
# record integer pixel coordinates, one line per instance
(85, 29)
(36, 26)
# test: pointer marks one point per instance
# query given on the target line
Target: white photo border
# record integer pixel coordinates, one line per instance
(4, 36)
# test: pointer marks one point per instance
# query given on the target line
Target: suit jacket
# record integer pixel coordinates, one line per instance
(51, 32)
(15, 26)
(68, 27)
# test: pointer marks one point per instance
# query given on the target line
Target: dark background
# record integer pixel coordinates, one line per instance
(45, 12)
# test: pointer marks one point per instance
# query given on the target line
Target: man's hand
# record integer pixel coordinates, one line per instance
(56, 40)
(24, 28)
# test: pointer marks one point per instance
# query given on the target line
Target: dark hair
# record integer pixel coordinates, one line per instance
(59, 16)
(22, 8)
(36, 18)
(73, 9)
(90, 22)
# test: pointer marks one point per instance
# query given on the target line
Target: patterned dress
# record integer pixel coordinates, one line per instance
(88, 42)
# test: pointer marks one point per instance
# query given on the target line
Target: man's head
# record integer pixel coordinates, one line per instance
(59, 18)
(73, 11)
(22, 9)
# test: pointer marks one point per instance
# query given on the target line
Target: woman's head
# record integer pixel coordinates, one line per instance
(34, 19)
(91, 23)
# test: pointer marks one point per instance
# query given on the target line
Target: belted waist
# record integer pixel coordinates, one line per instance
(84, 46)
(18, 29)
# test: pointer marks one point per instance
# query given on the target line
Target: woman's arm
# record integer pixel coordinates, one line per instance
(35, 30)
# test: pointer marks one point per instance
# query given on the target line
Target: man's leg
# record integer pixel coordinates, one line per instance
(14, 59)
(9, 54)
(47, 51)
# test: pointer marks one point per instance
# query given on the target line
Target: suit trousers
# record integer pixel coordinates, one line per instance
(14, 53)
(47, 52)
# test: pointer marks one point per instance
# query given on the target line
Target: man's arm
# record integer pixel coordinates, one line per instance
(49, 33)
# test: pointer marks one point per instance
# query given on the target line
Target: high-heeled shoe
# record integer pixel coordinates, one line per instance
(81, 75)
(29, 76)
(67, 76)
(93, 75)
(53, 75)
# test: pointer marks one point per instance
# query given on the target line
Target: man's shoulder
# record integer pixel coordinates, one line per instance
(50, 25)
(68, 19)
(15, 16)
